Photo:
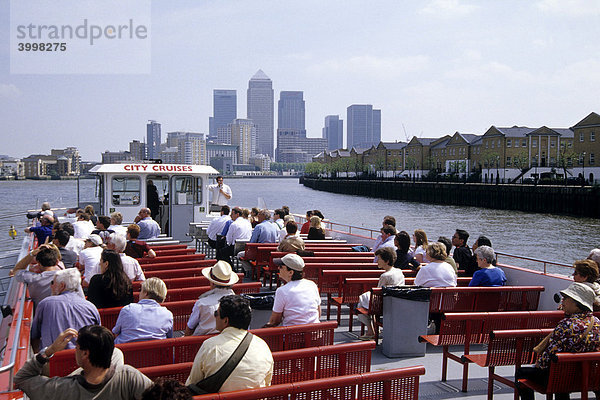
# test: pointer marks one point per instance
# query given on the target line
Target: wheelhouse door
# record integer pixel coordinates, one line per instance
(183, 199)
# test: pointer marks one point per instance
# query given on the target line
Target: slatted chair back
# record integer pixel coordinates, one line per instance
(178, 265)
(176, 283)
(181, 350)
(170, 259)
(574, 372)
(513, 347)
(192, 293)
(392, 384)
(175, 273)
(168, 246)
(174, 252)
(312, 270)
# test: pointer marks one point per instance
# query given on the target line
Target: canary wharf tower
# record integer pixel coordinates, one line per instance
(260, 111)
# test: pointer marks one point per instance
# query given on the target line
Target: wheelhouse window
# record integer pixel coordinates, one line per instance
(126, 191)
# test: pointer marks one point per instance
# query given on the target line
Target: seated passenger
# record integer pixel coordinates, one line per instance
(292, 241)
(202, 319)
(306, 226)
(487, 274)
(149, 228)
(137, 248)
(420, 252)
(448, 243)
(438, 273)
(116, 219)
(98, 379)
(404, 260)
(386, 257)
(298, 301)
(146, 319)
(316, 231)
(586, 272)
(68, 257)
(112, 287)
(255, 369)
(131, 266)
(89, 258)
(38, 278)
(578, 332)
(64, 309)
(83, 226)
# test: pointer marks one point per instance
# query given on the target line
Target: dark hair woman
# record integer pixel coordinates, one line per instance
(111, 287)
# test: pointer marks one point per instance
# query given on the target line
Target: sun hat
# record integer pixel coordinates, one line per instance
(221, 274)
(292, 261)
(96, 239)
(581, 293)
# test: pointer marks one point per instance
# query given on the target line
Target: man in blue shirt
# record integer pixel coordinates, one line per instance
(66, 308)
(44, 230)
(149, 228)
(146, 319)
(264, 232)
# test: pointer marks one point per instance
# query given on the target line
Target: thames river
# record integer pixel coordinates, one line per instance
(544, 236)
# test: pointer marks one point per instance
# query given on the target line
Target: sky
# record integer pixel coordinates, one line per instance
(432, 67)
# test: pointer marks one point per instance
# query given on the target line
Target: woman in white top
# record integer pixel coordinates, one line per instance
(437, 273)
(298, 301)
(420, 253)
(386, 257)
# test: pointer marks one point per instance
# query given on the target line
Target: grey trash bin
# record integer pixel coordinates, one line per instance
(405, 317)
(262, 306)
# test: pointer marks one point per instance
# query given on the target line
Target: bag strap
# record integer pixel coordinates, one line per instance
(213, 383)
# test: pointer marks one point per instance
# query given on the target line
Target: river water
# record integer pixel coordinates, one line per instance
(544, 236)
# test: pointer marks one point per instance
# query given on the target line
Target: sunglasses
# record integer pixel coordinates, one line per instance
(217, 314)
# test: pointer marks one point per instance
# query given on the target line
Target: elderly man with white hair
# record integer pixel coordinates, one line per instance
(130, 265)
(66, 308)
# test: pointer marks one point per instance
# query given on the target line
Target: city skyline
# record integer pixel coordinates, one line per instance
(432, 67)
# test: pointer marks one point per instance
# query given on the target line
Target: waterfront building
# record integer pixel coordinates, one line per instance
(221, 156)
(116, 157)
(294, 147)
(11, 167)
(224, 110)
(260, 103)
(333, 131)
(363, 126)
(586, 147)
(261, 162)
(153, 140)
(71, 153)
(137, 150)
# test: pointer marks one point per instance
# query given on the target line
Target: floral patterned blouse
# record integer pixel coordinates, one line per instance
(568, 336)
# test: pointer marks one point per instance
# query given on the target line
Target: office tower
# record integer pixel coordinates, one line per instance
(294, 147)
(333, 131)
(364, 126)
(243, 135)
(260, 110)
(224, 110)
(190, 148)
(153, 140)
(290, 111)
(137, 150)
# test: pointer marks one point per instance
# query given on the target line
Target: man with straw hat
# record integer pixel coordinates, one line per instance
(202, 320)
(578, 332)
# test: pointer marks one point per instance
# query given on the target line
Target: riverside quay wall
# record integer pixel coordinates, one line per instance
(569, 200)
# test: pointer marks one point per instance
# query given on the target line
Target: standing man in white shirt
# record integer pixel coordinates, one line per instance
(221, 194)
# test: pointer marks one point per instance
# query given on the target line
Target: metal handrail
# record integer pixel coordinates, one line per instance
(544, 262)
(13, 355)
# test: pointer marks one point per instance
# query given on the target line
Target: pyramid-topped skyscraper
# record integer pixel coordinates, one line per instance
(260, 110)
